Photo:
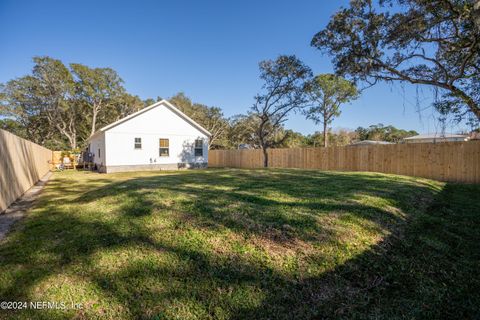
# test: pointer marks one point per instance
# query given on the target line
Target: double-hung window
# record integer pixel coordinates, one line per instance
(138, 143)
(198, 148)
(164, 148)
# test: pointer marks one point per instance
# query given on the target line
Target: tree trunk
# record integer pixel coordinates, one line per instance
(476, 111)
(211, 140)
(265, 157)
(94, 122)
(71, 139)
(469, 101)
(263, 144)
(325, 135)
(475, 108)
(74, 142)
(71, 136)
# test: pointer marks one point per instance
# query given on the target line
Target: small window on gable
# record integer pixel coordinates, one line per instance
(199, 148)
(164, 148)
(138, 143)
(99, 153)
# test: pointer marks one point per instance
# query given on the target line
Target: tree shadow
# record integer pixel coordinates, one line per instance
(187, 156)
(243, 202)
(426, 270)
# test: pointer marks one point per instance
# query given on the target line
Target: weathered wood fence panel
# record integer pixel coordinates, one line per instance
(451, 161)
(22, 164)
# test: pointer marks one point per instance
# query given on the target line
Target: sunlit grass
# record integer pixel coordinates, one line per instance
(223, 244)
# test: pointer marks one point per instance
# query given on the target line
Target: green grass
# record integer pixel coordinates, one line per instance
(246, 244)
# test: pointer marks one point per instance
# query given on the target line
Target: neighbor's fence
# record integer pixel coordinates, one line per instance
(58, 158)
(22, 164)
(451, 161)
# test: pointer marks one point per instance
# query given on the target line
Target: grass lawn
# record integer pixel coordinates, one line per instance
(246, 244)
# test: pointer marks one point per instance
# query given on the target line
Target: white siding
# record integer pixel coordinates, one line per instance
(98, 143)
(157, 123)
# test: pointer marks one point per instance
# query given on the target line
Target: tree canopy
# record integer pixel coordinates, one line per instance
(284, 91)
(425, 42)
(59, 106)
(327, 93)
(379, 132)
(211, 118)
(98, 90)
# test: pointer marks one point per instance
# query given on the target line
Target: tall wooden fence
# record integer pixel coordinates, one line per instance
(22, 164)
(452, 161)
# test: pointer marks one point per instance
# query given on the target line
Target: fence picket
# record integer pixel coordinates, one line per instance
(452, 161)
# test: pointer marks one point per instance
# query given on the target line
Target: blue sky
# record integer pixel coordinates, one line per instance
(208, 49)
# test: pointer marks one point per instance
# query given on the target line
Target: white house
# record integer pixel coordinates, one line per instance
(155, 138)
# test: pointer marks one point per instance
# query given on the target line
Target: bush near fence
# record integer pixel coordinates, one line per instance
(449, 161)
(22, 164)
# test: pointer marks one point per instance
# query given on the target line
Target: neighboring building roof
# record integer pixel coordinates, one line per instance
(245, 146)
(367, 142)
(159, 103)
(437, 136)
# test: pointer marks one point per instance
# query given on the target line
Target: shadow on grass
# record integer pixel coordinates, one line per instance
(243, 202)
(425, 266)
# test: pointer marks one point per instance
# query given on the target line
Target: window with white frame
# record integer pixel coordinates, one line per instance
(138, 143)
(198, 148)
(164, 148)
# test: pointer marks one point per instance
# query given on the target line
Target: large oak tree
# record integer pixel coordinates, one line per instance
(426, 42)
(98, 89)
(60, 107)
(43, 100)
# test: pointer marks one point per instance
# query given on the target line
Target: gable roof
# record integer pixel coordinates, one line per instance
(156, 104)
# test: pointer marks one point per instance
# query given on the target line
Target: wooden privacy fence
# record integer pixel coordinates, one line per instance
(450, 161)
(22, 164)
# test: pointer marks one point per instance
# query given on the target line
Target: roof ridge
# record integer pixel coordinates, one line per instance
(164, 102)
